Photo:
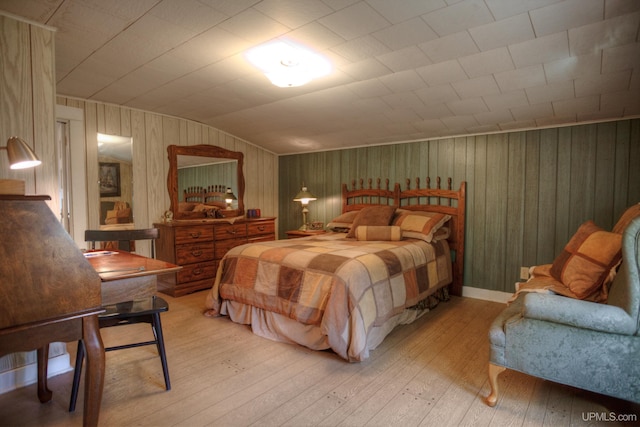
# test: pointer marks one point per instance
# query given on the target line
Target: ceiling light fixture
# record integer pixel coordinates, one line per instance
(287, 64)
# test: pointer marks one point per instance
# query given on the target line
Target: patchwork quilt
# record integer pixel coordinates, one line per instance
(341, 285)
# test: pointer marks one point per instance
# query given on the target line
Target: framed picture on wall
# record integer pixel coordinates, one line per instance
(109, 179)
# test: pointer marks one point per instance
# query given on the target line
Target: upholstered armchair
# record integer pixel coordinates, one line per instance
(589, 345)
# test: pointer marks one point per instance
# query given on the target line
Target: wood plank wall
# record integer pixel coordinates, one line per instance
(152, 134)
(527, 191)
(27, 93)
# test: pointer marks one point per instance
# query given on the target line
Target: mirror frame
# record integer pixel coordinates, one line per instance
(203, 150)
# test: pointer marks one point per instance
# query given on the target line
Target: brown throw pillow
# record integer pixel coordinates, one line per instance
(585, 262)
(379, 232)
(420, 225)
(372, 215)
(342, 223)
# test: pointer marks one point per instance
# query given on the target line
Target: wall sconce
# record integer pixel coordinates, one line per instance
(20, 155)
(229, 197)
(304, 197)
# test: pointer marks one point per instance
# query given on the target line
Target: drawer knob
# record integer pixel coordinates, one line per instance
(195, 234)
(196, 253)
(197, 271)
(261, 228)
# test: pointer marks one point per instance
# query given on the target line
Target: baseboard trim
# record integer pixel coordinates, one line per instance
(28, 374)
(486, 294)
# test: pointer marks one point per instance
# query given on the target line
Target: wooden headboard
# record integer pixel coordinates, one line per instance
(414, 197)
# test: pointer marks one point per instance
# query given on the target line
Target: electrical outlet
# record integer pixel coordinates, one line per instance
(524, 273)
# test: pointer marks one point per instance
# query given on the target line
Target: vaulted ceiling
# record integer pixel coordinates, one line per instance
(402, 69)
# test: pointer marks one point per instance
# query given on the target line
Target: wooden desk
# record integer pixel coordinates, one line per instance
(48, 292)
(126, 276)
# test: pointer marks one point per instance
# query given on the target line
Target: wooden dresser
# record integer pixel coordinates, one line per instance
(199, 245)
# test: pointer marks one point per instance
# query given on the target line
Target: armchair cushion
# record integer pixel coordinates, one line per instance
(587, 259)
(580, 314)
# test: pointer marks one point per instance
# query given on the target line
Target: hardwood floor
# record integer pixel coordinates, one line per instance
(432, 372)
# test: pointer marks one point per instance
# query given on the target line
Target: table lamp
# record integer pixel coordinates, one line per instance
(304, 196)
(229, 197)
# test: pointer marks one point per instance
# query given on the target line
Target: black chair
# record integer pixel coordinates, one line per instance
(128, 312)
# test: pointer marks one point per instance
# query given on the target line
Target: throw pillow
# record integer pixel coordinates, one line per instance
(372, 215)
(587, 260)
(379, 232)
(420, 225)
(342, 223)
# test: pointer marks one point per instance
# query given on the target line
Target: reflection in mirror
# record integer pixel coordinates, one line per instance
(115, 171)
(199, 178)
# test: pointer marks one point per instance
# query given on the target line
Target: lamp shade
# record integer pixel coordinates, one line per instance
(20, 155)
(304, 196)
(229, 196)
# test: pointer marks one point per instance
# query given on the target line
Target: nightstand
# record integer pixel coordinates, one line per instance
(294, 234)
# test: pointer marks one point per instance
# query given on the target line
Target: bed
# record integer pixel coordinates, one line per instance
(392, 254)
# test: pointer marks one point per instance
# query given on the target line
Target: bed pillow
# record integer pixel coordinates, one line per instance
(441, 233)
(372, 215)
(379, 232)
(342, 223)
(587, 260)
(420, 225)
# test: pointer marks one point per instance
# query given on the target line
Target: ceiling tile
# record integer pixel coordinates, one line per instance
(505, 101)
(449, 47)
(479, 86)
(355, 21)
(521, 78)
(484, 63)
(403, 81)
(407, 33)
(613, 8)
(293, 13)
(540, 50)
(494, 117)
(253, 26)
(577, 105)
(551, 92)
(505, 8)
(409, 9)
(572, 67)
(602, 83)
(458, 17)
(565, 15)
(408, 58)
(443, 72)
(532, 112)
(360, 48)
(613, 32)
(468, 106)
(191, 15)
(621, 58)
(501, 33)
(438, 94)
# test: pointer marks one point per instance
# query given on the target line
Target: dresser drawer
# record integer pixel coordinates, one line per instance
(230, 231)
(196, 252)
(199, 233)
(262, 227)
(223, 246)
(200, 271)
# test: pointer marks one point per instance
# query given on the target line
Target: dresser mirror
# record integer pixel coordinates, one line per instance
(205, 169)
(115, 178)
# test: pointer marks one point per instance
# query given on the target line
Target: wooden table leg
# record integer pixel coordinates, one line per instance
(44, 394)
(94, 375)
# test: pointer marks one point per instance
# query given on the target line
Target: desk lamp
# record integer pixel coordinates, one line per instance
(20, 157)
(304, 197)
